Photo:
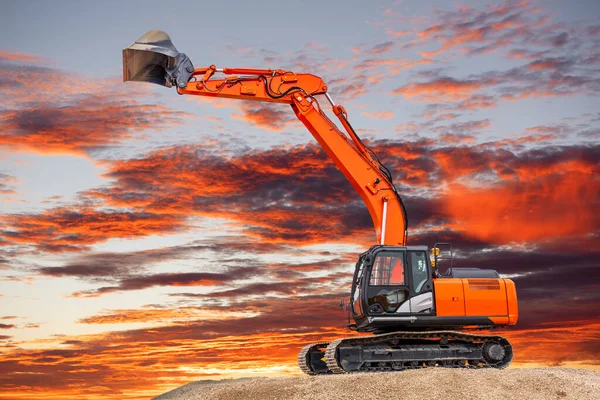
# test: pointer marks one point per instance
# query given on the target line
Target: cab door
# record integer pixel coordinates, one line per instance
(388, 291)
(356, 296)
(421, 288)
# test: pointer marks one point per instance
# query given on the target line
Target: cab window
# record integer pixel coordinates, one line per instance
(419, 269)
(388, 270)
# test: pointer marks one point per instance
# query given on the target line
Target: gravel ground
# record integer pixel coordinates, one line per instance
(426, 384)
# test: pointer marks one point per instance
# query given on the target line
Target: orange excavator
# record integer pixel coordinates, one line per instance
(415, 313)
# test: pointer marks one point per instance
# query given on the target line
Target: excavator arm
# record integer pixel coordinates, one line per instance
(157, 61)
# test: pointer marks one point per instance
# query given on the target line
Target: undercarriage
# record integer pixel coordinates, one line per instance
(399, 351)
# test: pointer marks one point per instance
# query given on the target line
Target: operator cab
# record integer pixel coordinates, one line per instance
(393, 282)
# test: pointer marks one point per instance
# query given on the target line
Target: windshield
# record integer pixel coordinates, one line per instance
(388, 269)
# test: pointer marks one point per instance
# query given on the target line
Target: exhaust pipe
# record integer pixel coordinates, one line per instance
(153, 58)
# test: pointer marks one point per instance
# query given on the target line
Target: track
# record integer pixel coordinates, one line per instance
(310, 359)
(406, 350)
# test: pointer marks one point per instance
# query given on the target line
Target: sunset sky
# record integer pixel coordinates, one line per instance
(149, 239)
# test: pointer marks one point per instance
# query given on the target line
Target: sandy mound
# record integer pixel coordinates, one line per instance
(540, 383)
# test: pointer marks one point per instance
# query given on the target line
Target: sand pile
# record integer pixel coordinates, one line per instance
(424, 384)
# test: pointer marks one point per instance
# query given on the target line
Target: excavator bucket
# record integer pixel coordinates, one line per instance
(153, 58)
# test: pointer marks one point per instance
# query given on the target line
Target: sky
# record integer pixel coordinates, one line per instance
(149, 239)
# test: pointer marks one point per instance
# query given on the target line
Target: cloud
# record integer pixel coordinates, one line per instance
(7, 326)
(524, 54)
(21, 57)
(541, 78)
(160, 315)
(560, 40)
(477, 31)
(128, 271)
(392, 66)
(92, 122)
(275, 190)
(270, 117)
(381, 48)
(559, 57)
(441, 89)
(371, 64)
(286, 195)
(72, 114)
(476, 102)
(61, 229)
(462, 127)
(102, 266)
(394, 33)
(528, 210)
(171, 279)
(352, 90)
(554, 64)
(7, 184)
(384, 115)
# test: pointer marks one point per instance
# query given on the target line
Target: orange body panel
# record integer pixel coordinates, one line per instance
(495, 299)
(449, 297)
(485, 297)
(513, 305)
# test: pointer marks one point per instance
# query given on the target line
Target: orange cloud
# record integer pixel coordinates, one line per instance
(557, 343)
(457, 139)
(532, 93)
(476, 102)
(478, 31)
(140, 282)
(63, 229)
(394, 33)
(161, 315)
(403, 65)
(375, 63)
(71, 370)
(385, 115)
(441, 89)
(282, 195)
(270, 117)
(20, 57)
(460, 36)
(538, 206)
(91, 123)
(70, 113)
(548, 64)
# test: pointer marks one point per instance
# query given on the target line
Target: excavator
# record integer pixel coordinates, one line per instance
(416, 315)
